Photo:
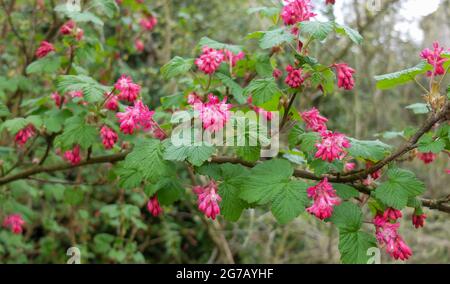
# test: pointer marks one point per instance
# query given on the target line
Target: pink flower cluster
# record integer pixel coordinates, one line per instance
(314, 121)
(128, 90)
(294, 78)
(148, 23)
(139, 45)
(213, 113)
(332, 146)
(44, 48)
(73, 156)
(24, 134)
(15, 223)
(69, 28)
(295, 11)
(112, 102)
(427, 158)
(372, 177)
(58, 99)
(434, 58)
(345, 76)
(418, 220)
(109, 137)
(208, 199)
(388, 236)
(232, 58)
(325, 198)
(153, 206)
(210, 60)
(135, 117)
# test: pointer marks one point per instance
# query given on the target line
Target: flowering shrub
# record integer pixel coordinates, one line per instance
(84, 115)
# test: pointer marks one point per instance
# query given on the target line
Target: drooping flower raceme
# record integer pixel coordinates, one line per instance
(136, 117)
(112, 102)
(295, 11)
(325, 198)
(231, 58)
(24, 134)
(73, 156)
(314, 121)
(139, 45)
(427, 158)
(210, 60)
(388, 236)
(294, 78)
(208, 199)
(15, 223)
(214, 114)
(129, 91)
(277, 73)
(418, 220)
(153, 206)
(44, 48)
(109, 137)
(345, 76)
(67, 28)
(57, 98)
(392, 214)
(148, 23)
(332, 146)
(434, 58)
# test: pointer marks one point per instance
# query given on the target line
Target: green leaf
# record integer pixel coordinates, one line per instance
(47, 65)
(345, 191)
(4, 111)
(232, 205)
(169, 190)
(275, 37)
(147, 158)
(206, 41)
(130, 178)
(236, 90)
(368, 150)
(84, 17)
(354, 35)
(77, 131)
(196, 155)
(308, 141)
(92, 90)
(266, 181)
(108, 7)
(419, 108)
(73, 196)
(400, 186)
(249, 153)
(318, 30)
(428, 143)
(16, 124)
(392, 80)
(262, 90)
(290, 201)
(354, 247)
(347, 217)
(177, 66)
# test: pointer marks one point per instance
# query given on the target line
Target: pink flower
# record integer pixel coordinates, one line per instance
(158, 133)
(15, 223)
(434, 58)
(109, 137)
(112, 103)
(129, 91)
(153, 206)
(372, 177)
(294, 78)
(76, 94)
(447, 171)
(427, 158)
(295, 11)
(148, 23)
(208, 199)
(231, 58)
(418, 220)
(136, 117)
(210, 60)
(314, 121)
(23, 135)
(387, 235)
(349, 166)
(193, 99)
(44, 49)
(330, 2)
(67, 28)
(345, 76)
(214, 113)
(392, 214)
(59, 100)
(79, 34)
(325, 198)
(73, 156)
(332, 146)
(139, 45)
(277, 73)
